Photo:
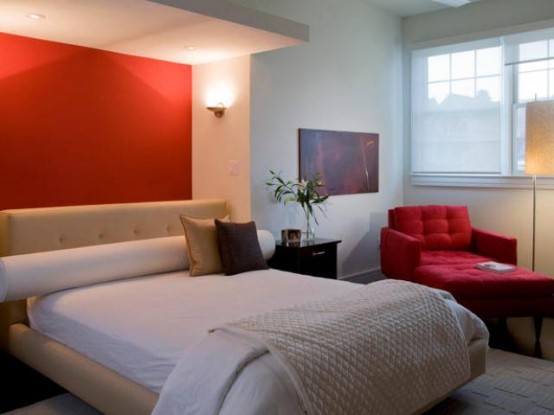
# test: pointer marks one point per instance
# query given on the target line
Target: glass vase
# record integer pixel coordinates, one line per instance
(309, 233)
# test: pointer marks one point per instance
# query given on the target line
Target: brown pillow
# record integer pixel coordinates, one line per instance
(202, 247)
(239, 247)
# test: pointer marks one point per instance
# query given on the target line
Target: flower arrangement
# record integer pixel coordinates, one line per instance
(305, 192)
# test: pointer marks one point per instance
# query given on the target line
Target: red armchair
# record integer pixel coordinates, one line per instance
(436, 246)
(438, 235)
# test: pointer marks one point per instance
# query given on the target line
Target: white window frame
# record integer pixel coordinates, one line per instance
(508, 175)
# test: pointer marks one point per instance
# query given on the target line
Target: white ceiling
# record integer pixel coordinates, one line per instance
(163, 29)
(151, 29)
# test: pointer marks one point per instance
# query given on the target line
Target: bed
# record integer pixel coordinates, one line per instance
(51, 334)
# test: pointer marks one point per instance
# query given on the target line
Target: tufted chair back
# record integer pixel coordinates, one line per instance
(438, 227)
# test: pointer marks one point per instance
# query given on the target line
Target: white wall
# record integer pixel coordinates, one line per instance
(346, 78)
(499, 209)
(221, 143)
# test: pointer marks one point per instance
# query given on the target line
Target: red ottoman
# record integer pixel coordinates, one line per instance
(517, 293)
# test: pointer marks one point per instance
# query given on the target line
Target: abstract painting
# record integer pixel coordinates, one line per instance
(346, 162)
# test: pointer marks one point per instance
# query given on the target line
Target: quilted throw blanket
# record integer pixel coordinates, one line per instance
(390, 347)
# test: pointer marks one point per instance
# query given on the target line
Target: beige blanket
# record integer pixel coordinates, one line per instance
(390, 347)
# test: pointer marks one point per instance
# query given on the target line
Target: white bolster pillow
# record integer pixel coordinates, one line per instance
(267, 243)
(27, 275)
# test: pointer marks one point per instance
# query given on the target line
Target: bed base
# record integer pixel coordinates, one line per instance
(112, 393)
(95, 384)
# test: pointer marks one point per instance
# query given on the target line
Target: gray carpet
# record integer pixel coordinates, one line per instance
(513, 384)
(65, 404)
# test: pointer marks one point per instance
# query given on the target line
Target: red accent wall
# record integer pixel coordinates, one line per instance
(84, 126)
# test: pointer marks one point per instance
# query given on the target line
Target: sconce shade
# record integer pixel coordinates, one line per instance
(218, 110)
(539, 138)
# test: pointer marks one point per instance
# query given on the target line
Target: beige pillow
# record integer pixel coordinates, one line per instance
(202, 248)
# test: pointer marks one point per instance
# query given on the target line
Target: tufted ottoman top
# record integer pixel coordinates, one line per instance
(466, 281)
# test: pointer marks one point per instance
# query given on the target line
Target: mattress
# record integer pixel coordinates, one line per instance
(141, 327)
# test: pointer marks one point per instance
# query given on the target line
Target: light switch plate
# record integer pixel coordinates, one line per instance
(233, 167)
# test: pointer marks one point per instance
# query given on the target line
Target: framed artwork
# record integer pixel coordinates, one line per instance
(346, 162)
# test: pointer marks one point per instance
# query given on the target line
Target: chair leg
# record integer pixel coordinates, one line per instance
(537, 320)
(507, 344)
(500, 337)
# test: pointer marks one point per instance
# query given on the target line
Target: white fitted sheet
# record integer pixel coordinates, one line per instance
(141, 327)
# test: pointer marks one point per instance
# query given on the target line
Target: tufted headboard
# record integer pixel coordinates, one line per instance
(24, 231)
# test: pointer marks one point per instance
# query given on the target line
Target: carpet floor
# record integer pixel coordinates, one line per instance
(513, 384)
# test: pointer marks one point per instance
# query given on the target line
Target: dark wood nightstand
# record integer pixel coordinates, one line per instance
(317, 257)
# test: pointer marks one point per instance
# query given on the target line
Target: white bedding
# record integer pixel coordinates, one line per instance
(141, 327)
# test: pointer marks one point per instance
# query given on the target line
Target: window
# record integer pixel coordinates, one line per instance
(532, 57)
(468, 103)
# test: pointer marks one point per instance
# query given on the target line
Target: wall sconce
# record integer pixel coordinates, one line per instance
(218, 98)
(218, 110)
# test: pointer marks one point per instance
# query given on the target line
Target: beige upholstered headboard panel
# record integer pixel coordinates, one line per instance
(48, 229)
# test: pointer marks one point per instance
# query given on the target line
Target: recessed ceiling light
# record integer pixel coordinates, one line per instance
(36, 16)
(190, 47)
